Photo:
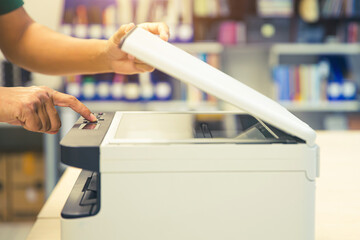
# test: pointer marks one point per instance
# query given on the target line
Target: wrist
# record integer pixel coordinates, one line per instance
(102, 60)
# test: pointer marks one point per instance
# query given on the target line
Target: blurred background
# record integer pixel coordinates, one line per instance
(302, 53)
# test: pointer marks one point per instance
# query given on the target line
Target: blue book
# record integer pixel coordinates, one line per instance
(281, 78)
(286, 90)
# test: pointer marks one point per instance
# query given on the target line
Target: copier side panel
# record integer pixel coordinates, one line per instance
(252, 205)
(250, 196)
(209, 157)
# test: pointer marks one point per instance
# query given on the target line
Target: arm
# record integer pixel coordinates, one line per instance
(37, 48)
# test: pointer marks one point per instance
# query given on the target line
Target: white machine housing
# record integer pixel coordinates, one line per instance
(206, 191)
(159, 188)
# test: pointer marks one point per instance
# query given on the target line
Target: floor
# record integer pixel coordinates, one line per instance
(15, 231)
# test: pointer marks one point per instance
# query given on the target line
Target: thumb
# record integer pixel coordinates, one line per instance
(65, 100)
(116, 38)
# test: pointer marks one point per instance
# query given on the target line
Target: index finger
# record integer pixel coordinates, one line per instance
(65, 100)
(158, 28)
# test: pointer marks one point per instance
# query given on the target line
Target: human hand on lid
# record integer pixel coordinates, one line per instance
(121, 62)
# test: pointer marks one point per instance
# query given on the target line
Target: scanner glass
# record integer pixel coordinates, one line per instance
(194, 127)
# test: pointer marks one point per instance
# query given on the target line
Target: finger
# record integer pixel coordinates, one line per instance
(144, 67)
(116, 38)
(131, 57)
(158, 28)
(53, 117)
(32, 121)
(65, 100)
(44, 118)
(53, 132)
(135, 60)
(129, 27)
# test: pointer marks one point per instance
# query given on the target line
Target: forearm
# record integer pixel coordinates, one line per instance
(37, 48)
(43, 50)
(40, 49)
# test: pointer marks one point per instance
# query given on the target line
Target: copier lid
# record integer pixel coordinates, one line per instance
(189, 69)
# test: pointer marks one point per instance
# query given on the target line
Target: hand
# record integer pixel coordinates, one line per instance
(34, 108)
(121, 62)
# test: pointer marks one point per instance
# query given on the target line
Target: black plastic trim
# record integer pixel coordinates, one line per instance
(81, 157)
(75, 206)
(81, 147)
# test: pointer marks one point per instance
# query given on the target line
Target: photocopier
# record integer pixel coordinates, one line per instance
(247, 174)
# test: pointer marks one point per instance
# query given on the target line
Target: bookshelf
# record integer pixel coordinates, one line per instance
(94, 19)
(209, 19)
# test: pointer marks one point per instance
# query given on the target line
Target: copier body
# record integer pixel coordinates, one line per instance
(196, 176)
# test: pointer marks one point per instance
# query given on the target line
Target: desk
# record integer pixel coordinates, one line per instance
(47, 225)
(338, 188)
(337, 193)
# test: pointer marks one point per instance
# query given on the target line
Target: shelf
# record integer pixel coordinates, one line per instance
(247, 47)
(201, 47)
(325, 106)
(339, 19)
(111, 106)
(312, 49)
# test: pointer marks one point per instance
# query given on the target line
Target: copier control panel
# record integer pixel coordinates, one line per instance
(87, 136)
(87, 125)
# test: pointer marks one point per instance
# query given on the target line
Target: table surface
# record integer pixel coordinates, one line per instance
(337, 192)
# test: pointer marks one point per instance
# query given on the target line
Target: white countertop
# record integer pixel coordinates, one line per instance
(337, 192)
(47, 225)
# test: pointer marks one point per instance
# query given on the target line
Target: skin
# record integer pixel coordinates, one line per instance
(39, 49)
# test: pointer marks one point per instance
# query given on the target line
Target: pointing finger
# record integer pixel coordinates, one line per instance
(65, 100)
